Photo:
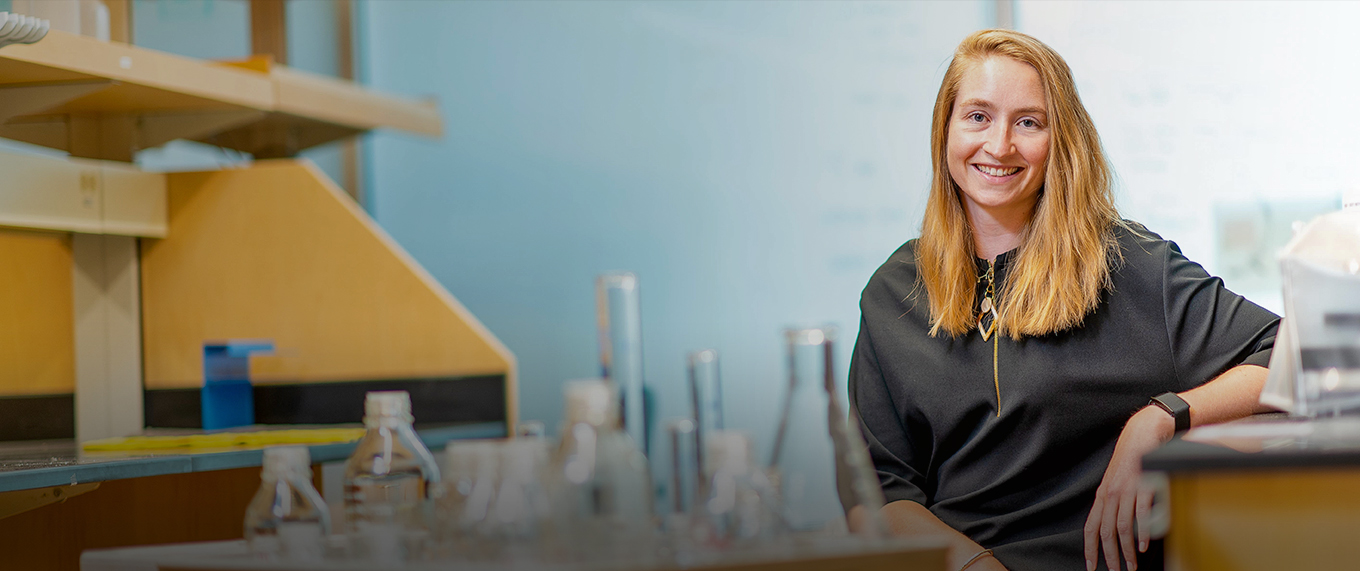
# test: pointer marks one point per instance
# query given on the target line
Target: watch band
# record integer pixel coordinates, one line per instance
(1176, 407)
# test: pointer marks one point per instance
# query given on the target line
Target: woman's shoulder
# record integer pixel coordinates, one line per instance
(1137, 240)
(1142, 251)
(895, 278)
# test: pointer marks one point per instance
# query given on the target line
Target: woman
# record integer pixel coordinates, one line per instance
(1007, 358)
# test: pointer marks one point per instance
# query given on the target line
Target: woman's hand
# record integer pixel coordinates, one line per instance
(1111, 523)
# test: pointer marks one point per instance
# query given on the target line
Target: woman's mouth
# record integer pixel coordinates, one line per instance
(997, 171)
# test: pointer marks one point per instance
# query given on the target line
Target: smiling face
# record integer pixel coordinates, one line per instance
(998, 140)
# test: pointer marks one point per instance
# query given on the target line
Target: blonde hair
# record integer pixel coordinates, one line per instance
(1068, 248)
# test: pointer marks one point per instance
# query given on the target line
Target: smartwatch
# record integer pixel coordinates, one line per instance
(1176, 407)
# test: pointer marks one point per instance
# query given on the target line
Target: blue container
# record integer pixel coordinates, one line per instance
(227, 398)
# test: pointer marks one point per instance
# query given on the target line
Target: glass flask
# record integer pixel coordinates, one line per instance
(820, 464)
(599, 483)
(385, 482)
(287, 519)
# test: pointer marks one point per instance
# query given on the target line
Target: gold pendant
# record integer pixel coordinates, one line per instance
(985, 327)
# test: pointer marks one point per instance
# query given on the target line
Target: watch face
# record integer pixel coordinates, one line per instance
(1176, 407)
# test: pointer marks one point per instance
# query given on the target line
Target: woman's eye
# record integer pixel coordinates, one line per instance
(1029, 123)
(976, 117)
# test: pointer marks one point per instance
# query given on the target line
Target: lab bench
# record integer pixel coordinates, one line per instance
(1263, 495)
(56, 502)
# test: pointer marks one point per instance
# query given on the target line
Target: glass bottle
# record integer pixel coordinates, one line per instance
(385, 482)
(287, 519)
(740, 506)
(820, 464)
(463, 497)
(600, 488)
(521, 507)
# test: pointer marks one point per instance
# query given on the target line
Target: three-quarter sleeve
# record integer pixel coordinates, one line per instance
(890, 448)
(1210, 328)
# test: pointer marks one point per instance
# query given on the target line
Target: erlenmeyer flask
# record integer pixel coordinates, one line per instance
(820, 464)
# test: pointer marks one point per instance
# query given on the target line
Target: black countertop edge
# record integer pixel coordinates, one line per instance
(1186, 456)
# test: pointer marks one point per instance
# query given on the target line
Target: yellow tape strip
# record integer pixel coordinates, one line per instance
(228, 439)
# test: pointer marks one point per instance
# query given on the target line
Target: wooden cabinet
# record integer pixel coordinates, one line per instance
(1281, 497)
(159, 263)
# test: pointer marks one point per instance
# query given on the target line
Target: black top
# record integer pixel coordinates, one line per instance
(1022, 481)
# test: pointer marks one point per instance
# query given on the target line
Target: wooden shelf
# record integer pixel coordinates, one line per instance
(107, 100)
(312, 109)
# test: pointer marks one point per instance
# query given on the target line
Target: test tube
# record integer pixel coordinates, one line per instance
(705, 387)
(620, 328)
(684, 460)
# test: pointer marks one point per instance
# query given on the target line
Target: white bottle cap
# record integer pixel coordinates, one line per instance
(728, 450)
(592, 401)
(283, 460)
(391, 404)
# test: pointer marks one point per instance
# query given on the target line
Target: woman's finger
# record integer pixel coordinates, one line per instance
(1124, 527)
(1091, 532)
(1109, 535)
(1142, 510)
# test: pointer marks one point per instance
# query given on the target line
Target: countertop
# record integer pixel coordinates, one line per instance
(39, 464)
(1262, 444)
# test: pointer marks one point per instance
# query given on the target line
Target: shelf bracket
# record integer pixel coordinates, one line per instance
(100, 136)
(157, 130)
(47, 132)
(17, 100)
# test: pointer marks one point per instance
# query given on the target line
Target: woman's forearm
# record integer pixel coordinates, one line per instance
(908, 518)
(1234, 394)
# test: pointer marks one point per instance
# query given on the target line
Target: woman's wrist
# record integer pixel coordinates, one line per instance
(965, 553)
(979, 556)
(1157, 421)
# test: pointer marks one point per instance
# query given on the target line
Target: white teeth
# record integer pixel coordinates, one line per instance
(998, 172)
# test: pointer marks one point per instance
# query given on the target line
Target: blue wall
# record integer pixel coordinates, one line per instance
(752, 162)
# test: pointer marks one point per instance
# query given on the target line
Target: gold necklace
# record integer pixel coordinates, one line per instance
(987, 326)
(987, 316)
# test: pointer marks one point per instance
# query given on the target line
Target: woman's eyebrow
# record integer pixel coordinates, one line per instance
(984, 104)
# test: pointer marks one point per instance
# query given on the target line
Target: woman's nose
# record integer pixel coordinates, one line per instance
(998, 143)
